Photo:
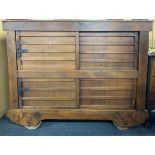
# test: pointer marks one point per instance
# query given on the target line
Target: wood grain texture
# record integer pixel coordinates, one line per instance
(79, 70)
(107, 93)
(142, 69)
(3, 73)
(112, 25)
(78, 74)
(12, 68)
(123, 118)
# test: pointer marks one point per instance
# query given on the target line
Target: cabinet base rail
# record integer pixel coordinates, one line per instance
(122, 118)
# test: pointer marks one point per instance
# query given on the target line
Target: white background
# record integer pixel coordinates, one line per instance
(77, 9)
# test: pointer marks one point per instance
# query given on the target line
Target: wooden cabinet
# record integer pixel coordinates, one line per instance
(71, 69)
(151, 83)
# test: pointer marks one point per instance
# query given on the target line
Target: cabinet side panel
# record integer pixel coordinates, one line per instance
(11, 53)
(143, 60)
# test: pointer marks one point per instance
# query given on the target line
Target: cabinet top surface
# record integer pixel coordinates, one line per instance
(77, 20)
(77, 25)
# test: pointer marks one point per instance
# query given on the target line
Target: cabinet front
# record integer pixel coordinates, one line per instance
(85, 69)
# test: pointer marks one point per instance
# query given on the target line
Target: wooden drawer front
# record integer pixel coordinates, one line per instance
(47, 50)
(49, 93)
(99, 50)
(107, 93)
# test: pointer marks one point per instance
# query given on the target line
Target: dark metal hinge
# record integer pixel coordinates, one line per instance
(21, 89)
(19, 50)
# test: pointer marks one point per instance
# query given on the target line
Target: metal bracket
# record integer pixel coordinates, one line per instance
(19, 50)
(21, 89)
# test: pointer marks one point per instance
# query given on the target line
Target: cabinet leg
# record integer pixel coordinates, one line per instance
(124, 121)
(26, 119)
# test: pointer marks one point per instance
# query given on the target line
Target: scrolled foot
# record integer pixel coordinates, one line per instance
(33, 127)
(24, 118)
(120, 128)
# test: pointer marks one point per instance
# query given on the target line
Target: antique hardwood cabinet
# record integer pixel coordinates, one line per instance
(77, 69)
(151, 82)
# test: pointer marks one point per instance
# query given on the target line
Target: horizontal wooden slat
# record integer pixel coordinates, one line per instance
(107, 56)
(49, 62)
(60, 34)
(56, 94)
(77, 74)
(47, 40)
(85, 67)
(106, 60)
(48, 56)
(49, 84)
(47, 104)
(49, 80)
(54, 67)
(107, 107)
(48, 98)
(105, 34)
(107, 48)
(110, 83)
(107, 93)
(108, 103)
(107, 88)
(106, 65)
(106, 40)
(99, 25)
(106, 97)
(49, 48)
(105, 52)
(106, 44)
(50, 89)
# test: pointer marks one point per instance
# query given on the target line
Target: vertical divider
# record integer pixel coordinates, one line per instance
(77, 63)
(12, 72)
(18, 59)
(142, 75)
(136, 51)
(134, 86)
(77, 50)
(20, 93)
(77, 93)
(19, 82)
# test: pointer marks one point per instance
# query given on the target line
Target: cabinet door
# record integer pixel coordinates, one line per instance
(110, 51)
(77, 69)
(47, 93)
(45, 52)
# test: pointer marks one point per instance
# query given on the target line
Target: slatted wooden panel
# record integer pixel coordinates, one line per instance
(107, 93)
(48, 93)
(61, 53)
(108, 50)
(47, 50)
